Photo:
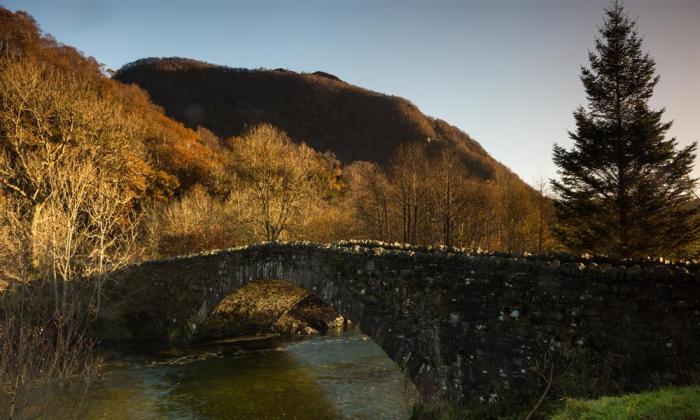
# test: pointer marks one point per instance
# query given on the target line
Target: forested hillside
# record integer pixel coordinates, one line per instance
(316, 108)
(270, 155)
(177, 156)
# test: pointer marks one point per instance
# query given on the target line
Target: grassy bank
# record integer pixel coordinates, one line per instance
(667, 403)
(673, 403)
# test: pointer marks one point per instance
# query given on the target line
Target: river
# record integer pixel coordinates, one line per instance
(343, 375)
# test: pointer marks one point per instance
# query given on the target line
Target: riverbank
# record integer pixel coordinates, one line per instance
(666, 403)
(671, 403)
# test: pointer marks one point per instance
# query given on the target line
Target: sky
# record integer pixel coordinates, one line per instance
(504, 71)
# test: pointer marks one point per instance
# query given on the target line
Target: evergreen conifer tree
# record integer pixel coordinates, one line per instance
(625, 190)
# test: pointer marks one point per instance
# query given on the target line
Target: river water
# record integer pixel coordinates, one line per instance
(343, 375)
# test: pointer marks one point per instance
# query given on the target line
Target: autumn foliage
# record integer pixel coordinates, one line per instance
(423, 182)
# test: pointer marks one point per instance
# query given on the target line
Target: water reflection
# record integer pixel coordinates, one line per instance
(328, 377)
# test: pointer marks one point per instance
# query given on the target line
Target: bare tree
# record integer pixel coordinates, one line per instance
(68, 160)
(447, 178)
(46, 362)
(407, 172)
(516, 214)
(71, 164)
(477, 226)
(369, 197)
(545, 215)
(280, 177)
(198, 222)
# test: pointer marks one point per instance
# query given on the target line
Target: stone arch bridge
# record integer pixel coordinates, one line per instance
(464, 327)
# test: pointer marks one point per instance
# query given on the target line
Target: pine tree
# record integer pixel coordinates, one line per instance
(625, 190)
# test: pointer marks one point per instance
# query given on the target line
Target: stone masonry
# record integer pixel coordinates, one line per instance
(465, 327)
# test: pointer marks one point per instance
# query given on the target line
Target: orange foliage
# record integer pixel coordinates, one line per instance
(178, 157)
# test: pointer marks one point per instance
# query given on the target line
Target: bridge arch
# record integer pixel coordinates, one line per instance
(463, 327)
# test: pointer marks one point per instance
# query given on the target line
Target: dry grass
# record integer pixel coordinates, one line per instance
(47, 361)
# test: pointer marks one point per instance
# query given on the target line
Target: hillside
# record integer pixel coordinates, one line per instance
(177, 157)
(316, 108)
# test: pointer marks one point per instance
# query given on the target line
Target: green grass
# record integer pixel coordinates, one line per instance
(674, 403)
(668, 403)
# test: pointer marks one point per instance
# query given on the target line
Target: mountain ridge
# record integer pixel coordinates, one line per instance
(317, 108)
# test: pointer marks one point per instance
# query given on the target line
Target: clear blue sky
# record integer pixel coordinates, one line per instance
(506, 72)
